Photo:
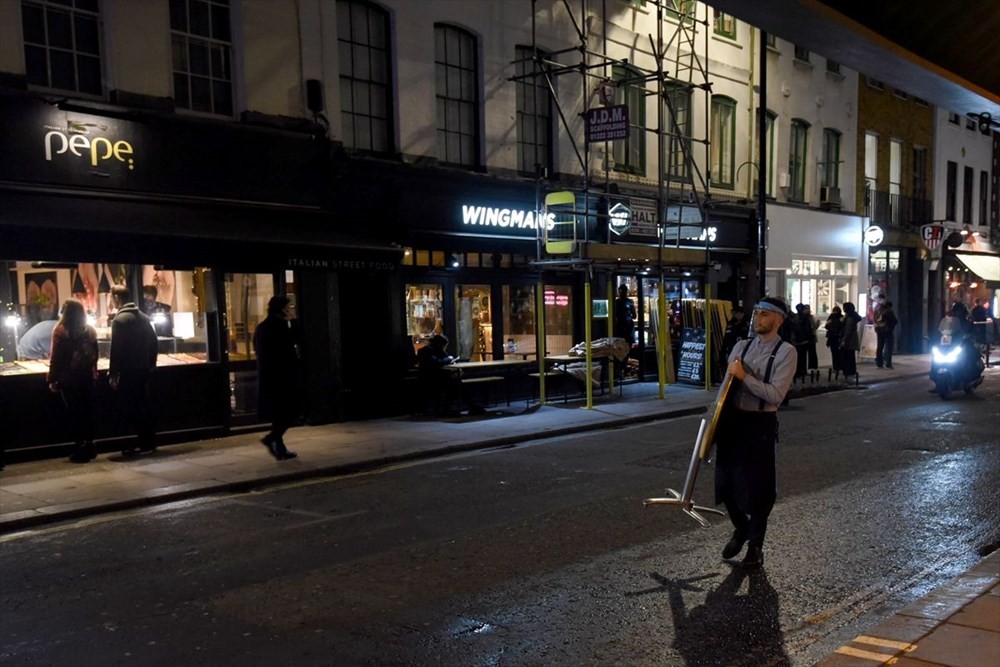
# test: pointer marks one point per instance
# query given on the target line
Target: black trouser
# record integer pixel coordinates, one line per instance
(133, 404)
(745, 479)
(848, 362)
(885, 341)
(79, 402)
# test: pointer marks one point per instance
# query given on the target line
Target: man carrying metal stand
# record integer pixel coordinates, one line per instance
(746, 438)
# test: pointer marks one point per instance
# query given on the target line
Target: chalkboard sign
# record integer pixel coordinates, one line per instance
(691, 367)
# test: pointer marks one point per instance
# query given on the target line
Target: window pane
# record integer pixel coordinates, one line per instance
(180, 52)
(199, 60)
(60, 29)
(362, 69)
(178, 15)
(346, 96)
(361, 98)
(86, 35)
(220, 63)
(89, 69)
(37, 65)
(33, 24)
(222, 94)
(220, 23)
(199, 18)
(181, 96)
(201, 94)
(63, 75)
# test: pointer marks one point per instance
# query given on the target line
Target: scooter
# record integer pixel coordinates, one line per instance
(955, 365)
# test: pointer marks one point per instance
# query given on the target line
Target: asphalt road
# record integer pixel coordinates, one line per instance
(540, 554)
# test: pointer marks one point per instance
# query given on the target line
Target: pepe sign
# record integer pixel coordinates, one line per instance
(75, 141)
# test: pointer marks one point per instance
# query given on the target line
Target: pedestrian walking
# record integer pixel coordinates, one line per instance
(850, 341)
(72, 371)
(277, 375)
(834, 327)
(133, 358)
(885, 335)
(745, 479)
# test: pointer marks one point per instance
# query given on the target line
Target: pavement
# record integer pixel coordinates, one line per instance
(957, 625)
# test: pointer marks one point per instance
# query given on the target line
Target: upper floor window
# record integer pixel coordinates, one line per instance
(951, 192)
(534, 114)
(797, 155)
(831, 158)
(681, 8)
(901, 94)
(984, 190)
(630, 154)
(365, 97)
(770, 122)
(801, 53)
(62, 45)
(875, 83)
(969, 174)
(772, 40)
(722, 140)
(457, 83)
(677, 113)
(202, 47)
(725, 25)
(832, 66)
(954, 118)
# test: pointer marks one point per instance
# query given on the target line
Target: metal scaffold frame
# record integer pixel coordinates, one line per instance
(678, 66)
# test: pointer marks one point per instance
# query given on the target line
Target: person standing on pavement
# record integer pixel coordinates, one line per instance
(850, 341)
(133, 358)
(885, 334)
(277, 374)
(834, 327)
(745, 477)
(72, 371)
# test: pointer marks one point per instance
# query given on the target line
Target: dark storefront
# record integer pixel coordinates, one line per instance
(218, 217)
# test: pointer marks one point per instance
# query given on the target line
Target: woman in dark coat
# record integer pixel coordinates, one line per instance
(72, 371)
(834, 327)
(277, 375)
(850, 341)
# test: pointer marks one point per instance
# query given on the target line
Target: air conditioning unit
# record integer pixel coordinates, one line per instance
(829, 196)
(783, 180)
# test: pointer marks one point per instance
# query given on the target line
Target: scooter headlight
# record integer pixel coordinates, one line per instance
(946, 356)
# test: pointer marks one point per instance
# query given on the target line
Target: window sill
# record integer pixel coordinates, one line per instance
(835, 76)
(726, 39)
(804, 64)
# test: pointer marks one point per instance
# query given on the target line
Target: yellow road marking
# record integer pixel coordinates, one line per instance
(887, 643)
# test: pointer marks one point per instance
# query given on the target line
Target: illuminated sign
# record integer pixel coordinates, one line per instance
(619, 218)
(75, 140)
(874, 235)
(505, 218)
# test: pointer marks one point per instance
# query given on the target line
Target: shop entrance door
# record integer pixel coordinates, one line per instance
(245, 298)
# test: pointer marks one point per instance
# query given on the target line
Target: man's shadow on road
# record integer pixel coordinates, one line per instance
(729, 628)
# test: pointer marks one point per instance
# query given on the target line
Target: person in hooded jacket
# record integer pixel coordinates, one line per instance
(133, 358)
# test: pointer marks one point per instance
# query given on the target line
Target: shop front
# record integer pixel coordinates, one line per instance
(206, 220)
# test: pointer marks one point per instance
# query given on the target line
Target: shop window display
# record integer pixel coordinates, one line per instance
(34, 292)
(519, 320)
(822, 284)
(424, 312)
(474, 340)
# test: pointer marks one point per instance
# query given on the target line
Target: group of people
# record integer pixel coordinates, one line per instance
(73, 371)
(73, 374)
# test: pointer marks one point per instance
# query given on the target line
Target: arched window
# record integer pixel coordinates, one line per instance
(723, 141)
(456, 66)
(797, 152)
(365, 76)
(534, 114)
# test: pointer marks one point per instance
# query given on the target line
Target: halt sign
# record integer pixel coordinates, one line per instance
(607, 123)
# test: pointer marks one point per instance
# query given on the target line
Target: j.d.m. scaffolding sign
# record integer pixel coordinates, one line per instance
(607, 123)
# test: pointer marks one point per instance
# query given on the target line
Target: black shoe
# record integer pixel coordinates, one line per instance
(285, 454)
(130, 452)
(754, 557)
(889, 367)
(733, 546)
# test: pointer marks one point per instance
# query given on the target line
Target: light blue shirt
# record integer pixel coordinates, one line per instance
(36, 342)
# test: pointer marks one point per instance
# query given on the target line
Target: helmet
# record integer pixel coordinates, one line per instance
(958, 309)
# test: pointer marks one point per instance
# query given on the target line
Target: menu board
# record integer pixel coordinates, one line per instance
(691, 367)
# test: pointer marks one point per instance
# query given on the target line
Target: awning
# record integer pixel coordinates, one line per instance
(985, 266)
